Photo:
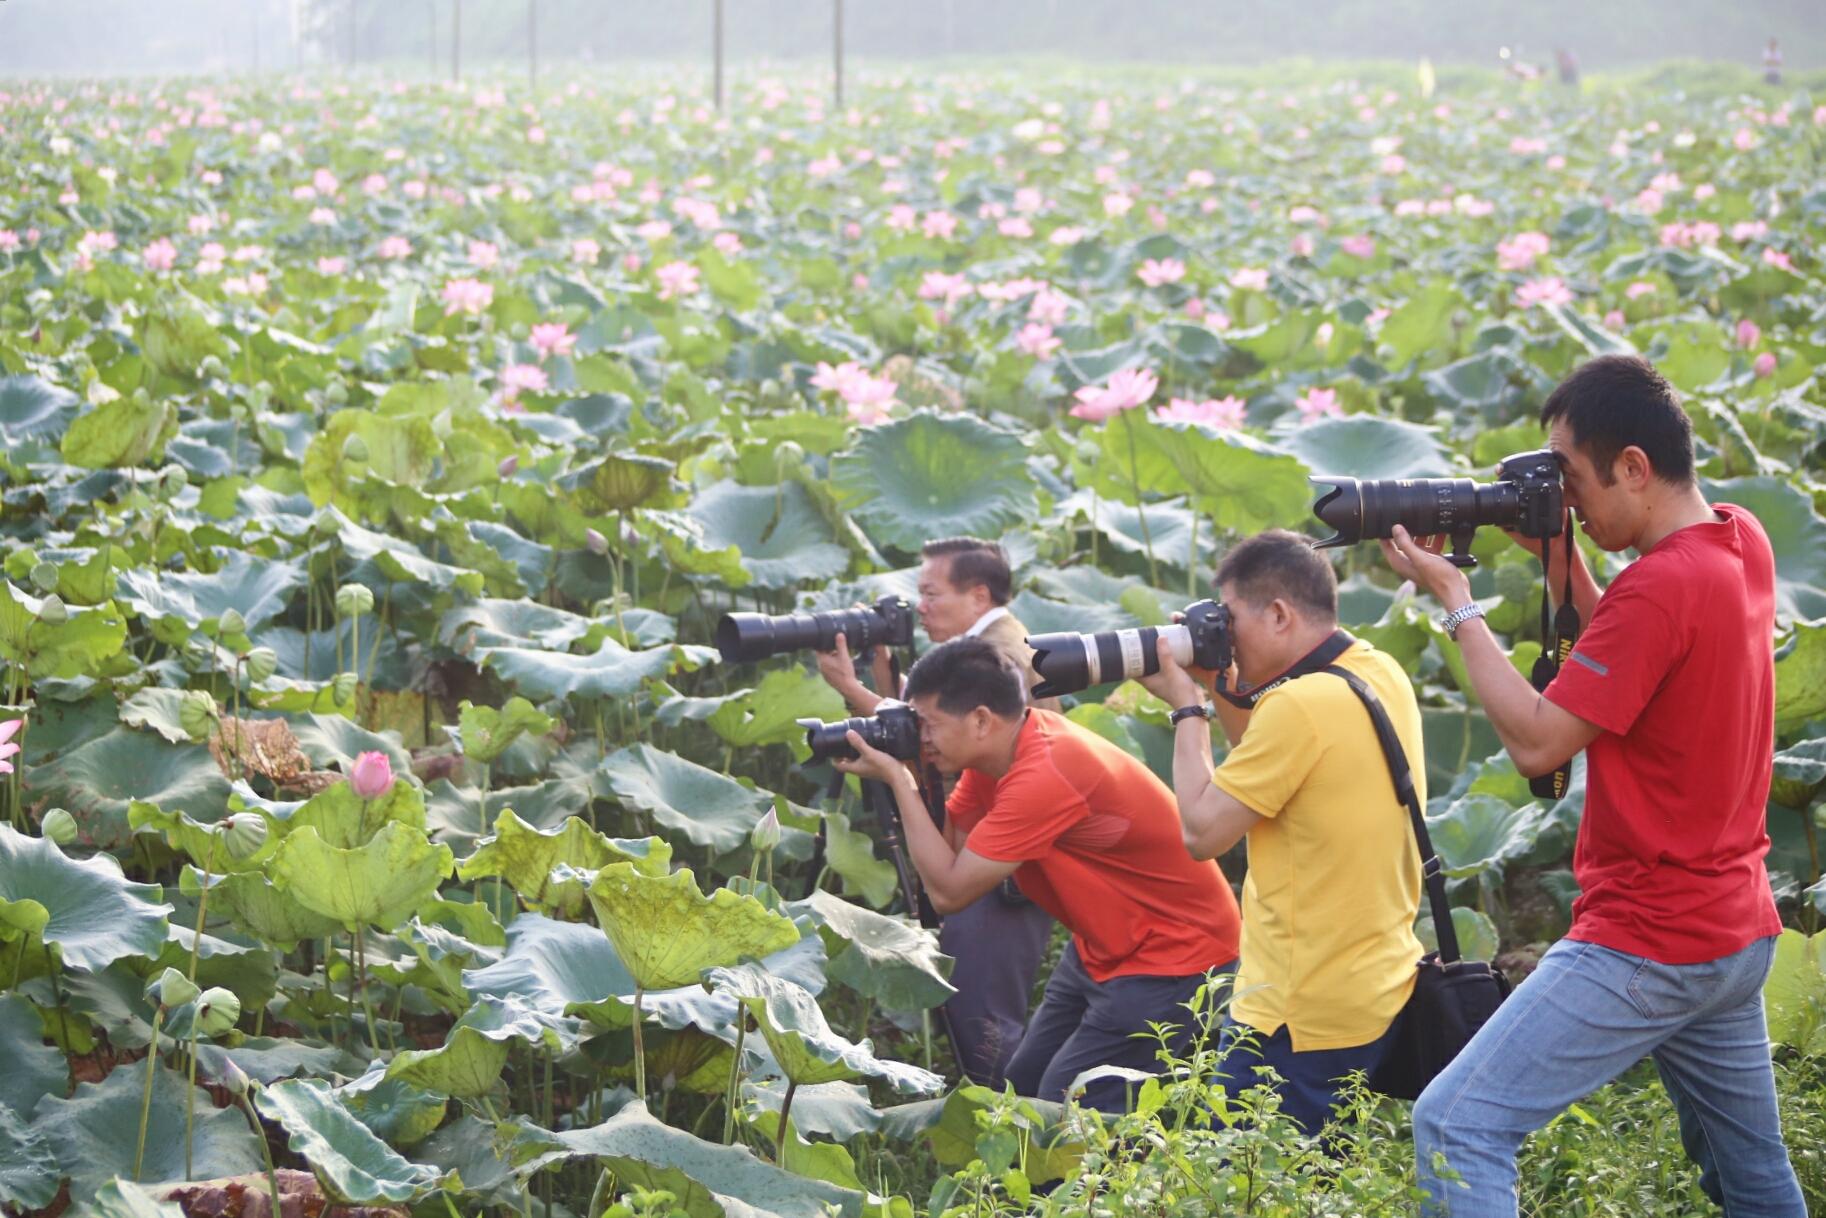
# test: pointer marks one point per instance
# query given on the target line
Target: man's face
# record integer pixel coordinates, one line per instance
(951, 742)
(945, 610)
(1605, 512)
(1256, 637)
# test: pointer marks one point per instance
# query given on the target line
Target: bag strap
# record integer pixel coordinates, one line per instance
(1431, 869)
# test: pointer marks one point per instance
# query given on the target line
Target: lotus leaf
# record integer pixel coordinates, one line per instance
(86, 908)
(354, 1166)
(803, 1045)
(484, 733)
(932, 475)
(613, 671)
(889, 959)
(260, 908)
(471, 1058)
(77, 646)
(379, 883)
(777, 532)
(709, 808)
(1481, 834)
(34, 1069)
(667, 932)
(29, 1178)
(524, 857)
(1364, 446)
(1800, 675)
(124, 432)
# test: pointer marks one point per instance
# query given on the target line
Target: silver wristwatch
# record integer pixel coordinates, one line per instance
(1458, 617)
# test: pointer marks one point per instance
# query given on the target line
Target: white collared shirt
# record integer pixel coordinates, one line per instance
(986, 621)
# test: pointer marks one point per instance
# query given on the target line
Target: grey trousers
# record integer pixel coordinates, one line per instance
(998, 945)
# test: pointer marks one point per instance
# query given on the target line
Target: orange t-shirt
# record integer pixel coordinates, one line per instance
(1098, 839)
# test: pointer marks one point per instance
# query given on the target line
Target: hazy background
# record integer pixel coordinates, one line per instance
(106, 36)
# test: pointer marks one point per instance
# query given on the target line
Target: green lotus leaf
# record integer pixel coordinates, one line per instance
(86, 909)
(1172, 529)
(125, 1199)
(612, 672)
(454, 818)
(1477, 937)
(891, 960)
(708, 1180)
(1422, 324)
(777, 531)
(1800, 676)
(395, 1112)
(1797, 534)
(805, 1048)
(176, 603)
(29, 1178)
(837, 1110)
(768, 713)
(620, 482)
(198, 839)
(851, 854)
(504, 623)
(682, 1059)
(259, 907)
(950, 1127)
(345, 820)
(484, 733)
(1242, 483)
(378, 884)
(32, 408)
(1365, 446)
(686, 542)
(667, 932)
(266, 1059)
(524, 857)
(471, 1058)
(128, 431)
(334, 742)
(382, 558)
(157, 710)
(101, 780)
(1795, 993)
(354, 1166)
(400, 450)
(94, 1133)
(933, 474)
(1482, 833)
(466, 1149)
(1800, 773)
(74, 647)
(709, 808)
(33, 1068)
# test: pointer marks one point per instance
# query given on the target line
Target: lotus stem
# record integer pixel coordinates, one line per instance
(209, 864)
(272, 1174)
(735, 1075)
(361, 972)
(190, 1101)
(640, 1046)
(786, 1108)
(145, 1103)
(1141, 511)
(598, 1195)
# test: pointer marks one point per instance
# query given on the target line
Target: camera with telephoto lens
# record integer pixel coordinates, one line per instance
(1070, 662)
(743, 637)
(893, 728)
(1526, 497)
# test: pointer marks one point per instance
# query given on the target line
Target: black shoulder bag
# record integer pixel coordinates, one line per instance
(1452, 998)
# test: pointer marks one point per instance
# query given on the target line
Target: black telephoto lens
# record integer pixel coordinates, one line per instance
(1528, 498)
(747, 637)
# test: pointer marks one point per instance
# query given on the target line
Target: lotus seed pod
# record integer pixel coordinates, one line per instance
(342, 687)
(197, 713)
(44, 576)
(261, 663)
(52, 611)
(355, 448)
(171, 989)
(230, 623)
(59, 826)
(354, 599)
(766, 833)
(243, 834)
(217, 1011)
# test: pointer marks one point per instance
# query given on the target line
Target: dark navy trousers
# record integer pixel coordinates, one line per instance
(998, 944)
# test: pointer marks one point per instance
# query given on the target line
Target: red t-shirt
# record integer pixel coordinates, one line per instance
(1098, 839)
(1676, 668)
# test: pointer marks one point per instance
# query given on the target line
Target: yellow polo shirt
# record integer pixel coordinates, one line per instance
(1334, 884)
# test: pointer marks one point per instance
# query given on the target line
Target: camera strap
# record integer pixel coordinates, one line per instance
(1558, 634)
(1315, 660)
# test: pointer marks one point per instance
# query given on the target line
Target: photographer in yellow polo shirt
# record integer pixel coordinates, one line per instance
(1328, 949)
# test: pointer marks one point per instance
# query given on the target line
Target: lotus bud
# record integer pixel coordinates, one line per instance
(262, 662)
(52, 611)
(217, 1011)
(234, 1080)
(44, 576)
(598, 544)
(372, 776)
(342, 687)
(766, 833)
(197, 713)
(230, 623)
(175, 480)
(59, 826)
(336, 393)
(353, 600)
(171, 989)
(510, 464)
(355, 448)
(790, 455)
(212, 367)
(243, 834)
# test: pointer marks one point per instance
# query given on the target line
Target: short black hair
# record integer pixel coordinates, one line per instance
(1278, 563)
(967, 673)
(974, 562)
(1614, 401)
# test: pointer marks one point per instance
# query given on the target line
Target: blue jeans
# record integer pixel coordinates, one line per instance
(1585, 1016)
(1309, 1083)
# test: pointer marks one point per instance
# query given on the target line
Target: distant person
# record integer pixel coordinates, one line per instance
(1772, 63)
(1568, 64)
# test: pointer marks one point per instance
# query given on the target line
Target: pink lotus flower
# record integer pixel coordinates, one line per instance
(1518, 253)
(9, 240)
(8, 746)
(677, 279)
(484, 254)
(1639, 289)
(1117, 205)
(654, 230)
(518, 378)
(160, 255)
(1394, 165)
(867, 397)
(1775, 258)
(937, 285)
(630, 262)
(585, 252)
(1048, 307)
(1551, 291)
(1614, 320)
(902, 217)
(1765, 365)
(727, 244)
(1036, 340)
(395, 248)
(1158, 271)
(1126, 390)
(1224, 414)
(1316, 404)
(331, 266)
(1250, 279)
(1018, 227)
(1748, 334)
(1749, 230)
(1066, 234)
(469, 296)
(1744, 140)
(939, 225)
(372, 776)
(552, 338)
(1360, 246)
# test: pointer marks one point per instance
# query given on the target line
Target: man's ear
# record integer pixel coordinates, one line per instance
(1633, 467)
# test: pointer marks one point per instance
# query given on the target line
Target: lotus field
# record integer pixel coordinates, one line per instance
(378, 457)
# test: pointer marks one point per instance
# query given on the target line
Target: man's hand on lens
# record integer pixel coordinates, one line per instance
(1173, 684)
(1419, 559)
(838, 669)
(871, 762)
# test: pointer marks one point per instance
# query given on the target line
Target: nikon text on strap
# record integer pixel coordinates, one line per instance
(1315, 660)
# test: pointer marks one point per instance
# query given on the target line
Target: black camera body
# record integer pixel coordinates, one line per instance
(744, 637)
(893, 728)
(1070, 663)
(1527, 497)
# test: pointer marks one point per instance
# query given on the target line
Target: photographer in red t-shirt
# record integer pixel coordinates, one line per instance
(1091, 835)
(1670, 692)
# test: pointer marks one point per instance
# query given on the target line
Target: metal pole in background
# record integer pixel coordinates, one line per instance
(718, 25)
(837, 46)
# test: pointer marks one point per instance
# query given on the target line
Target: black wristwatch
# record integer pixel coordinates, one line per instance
(1186, 712)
